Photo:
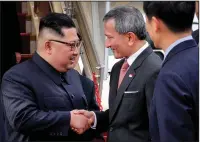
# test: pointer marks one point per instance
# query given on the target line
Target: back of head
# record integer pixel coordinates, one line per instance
(127, 19)
(177, 15)
(55, 22)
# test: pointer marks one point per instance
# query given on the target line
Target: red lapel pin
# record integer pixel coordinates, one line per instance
(131, 75)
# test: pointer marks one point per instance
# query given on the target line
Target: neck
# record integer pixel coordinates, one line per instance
(168, 39)
(137, 46)
(45, 57)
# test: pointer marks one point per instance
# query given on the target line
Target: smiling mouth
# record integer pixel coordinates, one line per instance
(73, 59)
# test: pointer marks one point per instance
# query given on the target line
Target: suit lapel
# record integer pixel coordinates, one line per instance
(180, 47)
(75, 91)
(128, 78)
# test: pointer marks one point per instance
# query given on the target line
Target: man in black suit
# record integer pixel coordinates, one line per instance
(174, 110)
(129, 102)
(40, 94)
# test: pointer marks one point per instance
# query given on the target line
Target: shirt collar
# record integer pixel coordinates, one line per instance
(48, 69)
(133, 57)
(176, 43)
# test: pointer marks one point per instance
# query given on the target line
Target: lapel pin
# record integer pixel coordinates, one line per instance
(130, 75)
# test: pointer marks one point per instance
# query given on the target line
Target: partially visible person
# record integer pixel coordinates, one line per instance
(40, 94)
(195, 34)
(89, 91)
(174, 113)
(132, 78)
(11, 42)
(10, 47)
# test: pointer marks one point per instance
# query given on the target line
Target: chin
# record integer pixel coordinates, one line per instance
(156, 46)
(70, 67)
(117, 56)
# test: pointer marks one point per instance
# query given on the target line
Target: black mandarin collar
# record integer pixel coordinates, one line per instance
(48, 69)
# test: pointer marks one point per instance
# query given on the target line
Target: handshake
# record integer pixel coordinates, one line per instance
(81, 120)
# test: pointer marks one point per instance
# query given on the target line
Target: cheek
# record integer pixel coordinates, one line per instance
(63, 55)
(148, 29)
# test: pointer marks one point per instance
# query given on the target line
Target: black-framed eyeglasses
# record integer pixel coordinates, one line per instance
(73, 45)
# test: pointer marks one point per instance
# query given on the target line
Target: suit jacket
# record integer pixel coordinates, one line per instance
(38, 102)
(127, 117)
(175, 108)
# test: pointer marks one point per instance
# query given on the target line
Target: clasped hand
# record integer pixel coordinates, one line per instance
(81, 120)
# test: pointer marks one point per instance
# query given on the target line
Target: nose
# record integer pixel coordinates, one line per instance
(107, 44)
(76, 51)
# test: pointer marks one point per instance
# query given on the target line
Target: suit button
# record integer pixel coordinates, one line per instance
(62, 79)
(111, 129)
(72, 96)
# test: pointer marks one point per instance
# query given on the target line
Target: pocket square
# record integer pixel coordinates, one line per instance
(130, 92)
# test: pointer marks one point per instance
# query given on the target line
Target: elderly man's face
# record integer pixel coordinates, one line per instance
(117, 42)
(65, 55)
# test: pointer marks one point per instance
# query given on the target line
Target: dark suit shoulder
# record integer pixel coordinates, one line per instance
(86, 81)
(183, 62)
(185, 66)
(152, 63)
(22, 69)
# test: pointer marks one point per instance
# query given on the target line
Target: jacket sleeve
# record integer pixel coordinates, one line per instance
(173, 102)
(23, 113)
(102, 120)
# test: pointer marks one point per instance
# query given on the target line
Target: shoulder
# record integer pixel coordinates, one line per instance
(85, 80)
(19, 70)
(19, 74)
(152, 64)
(184, 61)
(154, 59)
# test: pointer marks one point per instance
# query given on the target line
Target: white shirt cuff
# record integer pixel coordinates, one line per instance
(95, 121)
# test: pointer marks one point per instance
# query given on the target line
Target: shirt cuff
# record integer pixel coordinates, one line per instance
(95, 121)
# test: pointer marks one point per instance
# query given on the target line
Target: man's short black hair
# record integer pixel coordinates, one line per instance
(177, 15)
(55, 22)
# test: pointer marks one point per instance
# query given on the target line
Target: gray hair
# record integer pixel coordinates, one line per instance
(127, 19)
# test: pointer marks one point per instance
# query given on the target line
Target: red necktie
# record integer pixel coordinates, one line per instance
(123, 71)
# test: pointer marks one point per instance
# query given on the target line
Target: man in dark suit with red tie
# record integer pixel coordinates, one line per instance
(174, 115)
(132, 78)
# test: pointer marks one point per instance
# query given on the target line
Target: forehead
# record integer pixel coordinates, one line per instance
(109, 26)
(70, 34)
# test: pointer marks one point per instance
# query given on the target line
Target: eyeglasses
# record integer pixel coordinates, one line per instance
(73, 45)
